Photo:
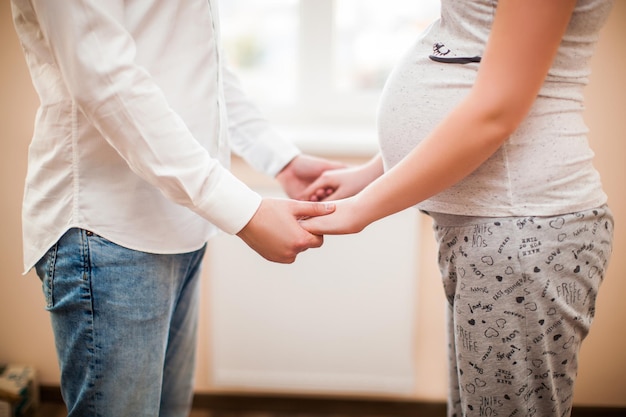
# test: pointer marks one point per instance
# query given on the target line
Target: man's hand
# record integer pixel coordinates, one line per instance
(301, 172)
(275, 232)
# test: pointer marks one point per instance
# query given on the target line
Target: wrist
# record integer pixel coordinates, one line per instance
(361, 214)
(287, 171)
(288, 166)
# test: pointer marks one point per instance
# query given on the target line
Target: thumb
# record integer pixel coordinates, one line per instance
(304, 209)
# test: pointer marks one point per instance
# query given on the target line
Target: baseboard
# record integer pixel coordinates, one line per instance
(587, 411)
(319, 406)
(353, 407)
(50, 394)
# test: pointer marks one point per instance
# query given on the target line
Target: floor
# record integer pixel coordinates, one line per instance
(57, 410)
(246, 406)
(268, 406)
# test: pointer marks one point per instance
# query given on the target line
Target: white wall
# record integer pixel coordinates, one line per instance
(340, 319)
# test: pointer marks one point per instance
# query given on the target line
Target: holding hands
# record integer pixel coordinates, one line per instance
(342, 185)
(347, 217)
(275, 232)
(344, 182)
(282, 228)
(302, 172)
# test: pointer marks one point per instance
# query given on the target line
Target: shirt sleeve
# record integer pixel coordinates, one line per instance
(252, 137)
(95, 55)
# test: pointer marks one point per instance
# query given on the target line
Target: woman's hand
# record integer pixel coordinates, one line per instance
(342, 183)
(301, 172)
(346, 219)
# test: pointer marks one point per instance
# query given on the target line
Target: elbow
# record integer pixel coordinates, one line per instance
(97, 92)
(501, 127)
(498, 120)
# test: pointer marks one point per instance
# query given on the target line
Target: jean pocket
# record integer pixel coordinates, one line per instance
(45, 271)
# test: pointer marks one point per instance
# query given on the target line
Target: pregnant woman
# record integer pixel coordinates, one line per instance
(481, 127)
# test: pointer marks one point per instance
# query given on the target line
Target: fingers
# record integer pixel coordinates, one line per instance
(288, 256)
(293, 248)
(312, 226)
(320, 183)
(275, 231)
(321, 194)
(305, 209)
(314, 241)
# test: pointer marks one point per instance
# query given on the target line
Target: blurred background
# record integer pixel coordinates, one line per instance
(364, 315)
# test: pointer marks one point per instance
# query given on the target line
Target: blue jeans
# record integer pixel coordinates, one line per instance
(125, 326)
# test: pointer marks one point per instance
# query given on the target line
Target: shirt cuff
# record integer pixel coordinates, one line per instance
(231, 204)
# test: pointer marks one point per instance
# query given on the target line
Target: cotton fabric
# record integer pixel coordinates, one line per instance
(137, 119)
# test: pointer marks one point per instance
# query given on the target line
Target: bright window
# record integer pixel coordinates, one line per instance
(260, 39)
(320, 62)
(370, 35)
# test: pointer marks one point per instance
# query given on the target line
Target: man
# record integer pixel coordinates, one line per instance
(127, 180)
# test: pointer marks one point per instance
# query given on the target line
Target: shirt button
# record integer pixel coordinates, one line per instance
(89, 233)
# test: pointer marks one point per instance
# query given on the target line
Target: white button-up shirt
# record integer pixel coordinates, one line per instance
(132, 139)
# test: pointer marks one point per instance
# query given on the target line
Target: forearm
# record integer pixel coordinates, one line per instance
(457, 146)
(513, 68)
(523, 42)
(373, 168)
(252, 136)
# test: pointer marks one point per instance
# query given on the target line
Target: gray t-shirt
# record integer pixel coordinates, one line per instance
(545, 167)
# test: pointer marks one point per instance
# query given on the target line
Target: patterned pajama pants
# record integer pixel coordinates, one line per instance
(521, 295)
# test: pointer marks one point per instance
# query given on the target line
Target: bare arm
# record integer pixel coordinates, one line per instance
(523, 42)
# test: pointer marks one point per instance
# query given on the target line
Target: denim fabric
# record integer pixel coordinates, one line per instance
(125, 326)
